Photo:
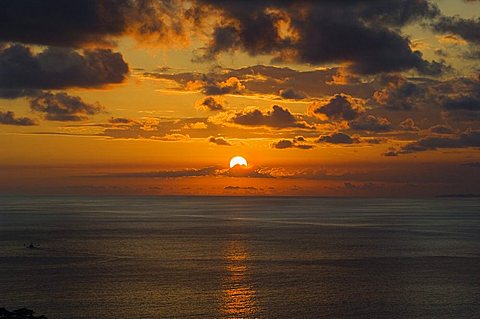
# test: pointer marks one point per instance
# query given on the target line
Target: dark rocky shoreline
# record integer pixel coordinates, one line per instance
(22, 313)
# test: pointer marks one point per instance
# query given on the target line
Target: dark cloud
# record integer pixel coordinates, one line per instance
(297, 142)
(210, 103)
(120, 120)
(261, 79)
(391, 152)
(231, 85)
(362, 33)
(441, 129)
(409, 125)
(17, 93)
(63, 107)
(371, 123)
(277, 117)
(8, 118)
(219, 141)
(340, 107)
(75, 23)
(463, 103)
(398, 93)
(468, 103)
(292, 94)
(22, 71)
(469, 138)
(468, 29)
(338, 138)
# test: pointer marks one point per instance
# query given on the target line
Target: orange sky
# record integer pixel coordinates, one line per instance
(158, 101)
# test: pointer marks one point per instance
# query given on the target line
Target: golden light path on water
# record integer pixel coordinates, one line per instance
(239, 297)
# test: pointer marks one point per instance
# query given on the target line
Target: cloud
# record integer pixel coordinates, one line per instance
(464, 102)
(441, 129)
(398, 93)
(338, 138)
(175, 137)
(463, 107)
(468, 29)
(192, 172)
(236, 188)
(409, 125)
(63, 107)
(210, 103)
(277, 117)
(363, 34)
(292, 94)
(391, 152)
(22, 71)
(297, 142)
(271, 80)
(231, 85)
(362, 187)
(120, 120)
(339, 107)
(8, 118)
(92, 22)
(469, 138)
(6, 93)
(219, 141)
(237, 171)
(371, 123)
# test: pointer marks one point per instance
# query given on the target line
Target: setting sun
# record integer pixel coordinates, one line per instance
(238, 160)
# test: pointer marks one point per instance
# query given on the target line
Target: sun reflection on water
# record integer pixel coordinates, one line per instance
(239, 296)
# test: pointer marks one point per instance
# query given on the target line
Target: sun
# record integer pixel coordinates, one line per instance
(238, 160)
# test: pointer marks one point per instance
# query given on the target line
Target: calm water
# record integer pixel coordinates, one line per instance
(183, 257)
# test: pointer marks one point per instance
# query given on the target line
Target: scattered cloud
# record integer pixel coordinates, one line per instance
(297, 142)
(409, 125)
(371, 123)
(338, 138)
(469, 138)
(292, 94)
(231, 85)
(63, 107)
(276, 117)
(219, 140)
(9, 118)
(210, 103)
(339, 107)
(441, 129)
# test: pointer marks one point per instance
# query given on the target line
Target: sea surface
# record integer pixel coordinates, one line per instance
(240, 257)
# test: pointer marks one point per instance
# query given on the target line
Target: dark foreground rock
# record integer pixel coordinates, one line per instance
(22, 313)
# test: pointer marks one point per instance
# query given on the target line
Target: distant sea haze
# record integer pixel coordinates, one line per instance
(240, 257)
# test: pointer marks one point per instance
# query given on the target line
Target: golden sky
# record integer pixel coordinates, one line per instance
(323, 98)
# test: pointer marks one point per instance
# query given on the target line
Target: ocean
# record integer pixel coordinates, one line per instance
(240, 257)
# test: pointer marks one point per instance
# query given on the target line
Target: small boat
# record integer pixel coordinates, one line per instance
(31, 246)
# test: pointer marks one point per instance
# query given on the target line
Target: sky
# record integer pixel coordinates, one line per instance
(322, 98)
